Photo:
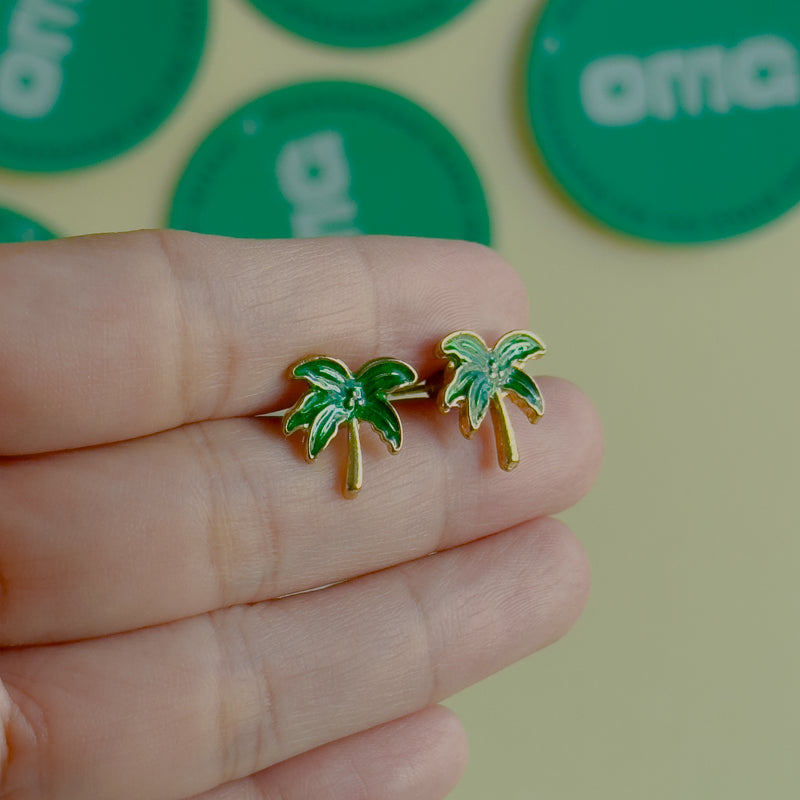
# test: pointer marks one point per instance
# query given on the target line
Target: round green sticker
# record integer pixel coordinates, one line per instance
(355, 23)
(82, 81)
(676, 121)
(331, 158)
(16, 228)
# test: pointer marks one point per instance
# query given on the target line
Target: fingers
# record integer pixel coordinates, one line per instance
(179, 709)
(218, 514)
(419, 757)
(112, 337)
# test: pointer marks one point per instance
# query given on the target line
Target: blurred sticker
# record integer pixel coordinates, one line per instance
(678, 121)
(16, 228)
(356, 23)
(331, 159)
(82, 80)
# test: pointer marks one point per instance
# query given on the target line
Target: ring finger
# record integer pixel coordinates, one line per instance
(178, 709)
(419, 757)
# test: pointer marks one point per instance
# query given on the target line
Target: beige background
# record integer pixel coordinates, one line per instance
(682, 680)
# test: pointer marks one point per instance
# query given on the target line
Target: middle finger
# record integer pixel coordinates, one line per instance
(227, 512)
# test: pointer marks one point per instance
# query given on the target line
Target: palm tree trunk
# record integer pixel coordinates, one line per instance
(354, 461)
(507, 451)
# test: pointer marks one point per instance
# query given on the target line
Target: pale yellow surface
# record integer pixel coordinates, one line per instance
(682, 680)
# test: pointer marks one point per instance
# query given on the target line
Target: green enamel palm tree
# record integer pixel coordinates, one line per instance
(338, 397)
(478, 378)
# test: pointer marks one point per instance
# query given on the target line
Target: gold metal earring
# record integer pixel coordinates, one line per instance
(478, 379)
(338, 397)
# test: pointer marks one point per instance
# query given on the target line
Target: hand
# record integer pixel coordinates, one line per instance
(150, 526)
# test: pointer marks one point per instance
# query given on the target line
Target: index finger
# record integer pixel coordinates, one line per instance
(112, 337)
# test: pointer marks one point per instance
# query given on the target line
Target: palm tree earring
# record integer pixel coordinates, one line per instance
(477, 379)
(337, 397)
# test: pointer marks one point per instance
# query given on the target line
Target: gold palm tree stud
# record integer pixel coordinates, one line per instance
(478, 378)
(338, 397)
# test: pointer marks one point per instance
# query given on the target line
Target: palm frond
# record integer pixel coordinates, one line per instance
(517, 347)
(385, 422)
(302, 413)
(329, 374)
(455, 391)
(324, 428)
(464, 347)
(480, 393)
(384, 375)
(524, 393)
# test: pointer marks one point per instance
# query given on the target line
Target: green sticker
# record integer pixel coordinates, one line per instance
(356, 23)
(678, 121)
(16, 228)
(331, 158)
(81, 80)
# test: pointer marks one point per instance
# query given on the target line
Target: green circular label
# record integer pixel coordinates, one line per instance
(331, 158)
(81, 81)
(16, 228)
(676, 121)
(356, 23)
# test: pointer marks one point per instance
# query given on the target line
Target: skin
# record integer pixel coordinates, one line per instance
(151, 527)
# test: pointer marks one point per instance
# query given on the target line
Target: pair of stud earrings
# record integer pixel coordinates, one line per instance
(476, 380)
